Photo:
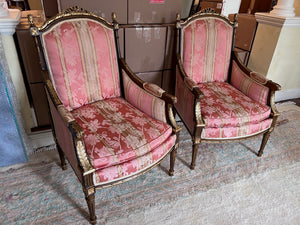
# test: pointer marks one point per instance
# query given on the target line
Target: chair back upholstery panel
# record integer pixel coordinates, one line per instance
(248, 86)
(82, 61)
(206, 49)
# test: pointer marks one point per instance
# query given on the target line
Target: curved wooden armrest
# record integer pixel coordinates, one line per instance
(256, 76)
(149, 87)
(190, 84)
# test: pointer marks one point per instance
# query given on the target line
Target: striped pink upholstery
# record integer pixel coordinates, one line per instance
(235, 132)
(143, 100)
(225, 106)
(120, 139)
(248, 86)
(206, 48)
(83, 61)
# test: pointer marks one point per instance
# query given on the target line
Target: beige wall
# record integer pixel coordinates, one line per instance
(263, 47)
(284, 67)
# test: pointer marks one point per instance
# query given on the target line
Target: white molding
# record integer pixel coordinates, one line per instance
(287, 94)
(8, 23)
(278, 21)
(41, 139)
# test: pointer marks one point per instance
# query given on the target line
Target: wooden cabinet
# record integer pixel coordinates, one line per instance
(213, 4)
(31, 69)
(253, 6)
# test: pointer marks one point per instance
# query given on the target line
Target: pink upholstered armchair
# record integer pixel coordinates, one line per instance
(108, 123)
(219, 99)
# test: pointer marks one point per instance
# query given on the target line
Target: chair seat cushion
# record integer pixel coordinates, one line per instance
(117, 133)
(225, 106)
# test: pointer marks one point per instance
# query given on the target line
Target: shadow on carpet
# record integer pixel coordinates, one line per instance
(41, 193)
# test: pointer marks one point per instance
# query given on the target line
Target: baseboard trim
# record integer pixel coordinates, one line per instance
(287, 94)
(41, 139)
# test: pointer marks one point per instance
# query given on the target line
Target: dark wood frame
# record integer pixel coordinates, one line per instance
(199, 123)
(79, 160)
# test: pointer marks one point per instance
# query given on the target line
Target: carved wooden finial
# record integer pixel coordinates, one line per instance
(114, 17)
(30, 20)
(207, 10)
(177, 17)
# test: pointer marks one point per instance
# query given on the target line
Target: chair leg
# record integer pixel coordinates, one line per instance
(90, 199)
(263, 143)
(172, 161)
(194, 155)
(62, 157)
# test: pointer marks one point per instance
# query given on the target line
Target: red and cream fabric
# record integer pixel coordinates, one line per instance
(206, 47)
(248, 85)
(120, 139)
(143, 100)
(235, 132)
(228, 113)
(83, 61)
(225, 106)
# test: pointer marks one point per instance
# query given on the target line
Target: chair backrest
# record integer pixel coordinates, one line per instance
(205, 47)
(82, 59)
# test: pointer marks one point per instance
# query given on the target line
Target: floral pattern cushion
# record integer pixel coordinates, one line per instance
(117, 133)
(225, 106)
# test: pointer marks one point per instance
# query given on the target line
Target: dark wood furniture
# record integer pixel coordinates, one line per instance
(29, 61)
(253, 6)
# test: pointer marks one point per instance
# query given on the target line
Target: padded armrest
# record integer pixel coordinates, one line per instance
(148, 97)
(254, 85)
(148, 87)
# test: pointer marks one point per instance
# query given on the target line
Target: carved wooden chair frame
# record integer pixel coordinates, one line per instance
(193, 88)
(77, 156)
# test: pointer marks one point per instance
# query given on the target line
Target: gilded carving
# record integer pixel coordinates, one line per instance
(87, 167)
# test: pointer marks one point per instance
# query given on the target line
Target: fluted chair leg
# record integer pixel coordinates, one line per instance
(194, 155)
(62, 157)
(172, 161)
(263, 143)
(90, 199)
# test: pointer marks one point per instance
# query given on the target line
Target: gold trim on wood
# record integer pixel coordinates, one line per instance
(82, 156)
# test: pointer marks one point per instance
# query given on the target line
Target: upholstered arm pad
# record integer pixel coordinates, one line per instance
(147, 97)
(254, 85)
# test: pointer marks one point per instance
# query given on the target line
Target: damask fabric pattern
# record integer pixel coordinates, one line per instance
(228, 113)
(206, 47)
(120, 139)
(77, 51)
(143, 100)
(249, 86)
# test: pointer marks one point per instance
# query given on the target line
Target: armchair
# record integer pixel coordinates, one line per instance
(219, 99)
(109, 124)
